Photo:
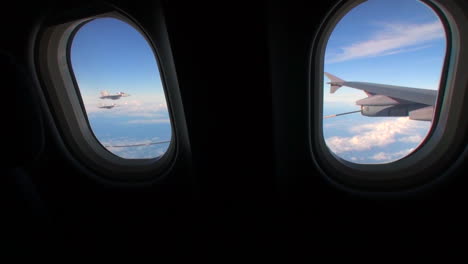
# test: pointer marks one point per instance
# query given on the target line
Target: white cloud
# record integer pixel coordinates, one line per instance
(378, 134)
(391, 39)
(147, 152)
(382, 156)
(130, 108)
(411, 139)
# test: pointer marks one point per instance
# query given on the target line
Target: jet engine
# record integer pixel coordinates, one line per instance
(384, 110)
(422, 114)
(414, 112)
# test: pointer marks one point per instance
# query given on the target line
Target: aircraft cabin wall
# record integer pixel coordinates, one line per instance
(246, 176)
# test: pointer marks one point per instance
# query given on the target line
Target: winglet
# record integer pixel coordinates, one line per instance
(335, 83)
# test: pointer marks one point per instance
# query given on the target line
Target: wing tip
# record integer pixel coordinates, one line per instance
(333, 78)
(335, 82)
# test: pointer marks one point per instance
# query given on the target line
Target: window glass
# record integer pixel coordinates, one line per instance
(383, 64)
(121, 89)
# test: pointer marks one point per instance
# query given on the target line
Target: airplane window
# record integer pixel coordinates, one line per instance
(383, 65)
(121, 89)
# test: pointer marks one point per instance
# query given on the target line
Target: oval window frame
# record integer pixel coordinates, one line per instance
(66, 108)
(408, 172)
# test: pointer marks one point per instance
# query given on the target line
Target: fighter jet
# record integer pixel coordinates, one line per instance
(106, 95)
(108, 106)
(389, 100)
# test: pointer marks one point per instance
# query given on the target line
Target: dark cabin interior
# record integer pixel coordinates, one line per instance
(249, 183)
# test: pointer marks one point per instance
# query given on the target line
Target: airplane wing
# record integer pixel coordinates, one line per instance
(415, 95)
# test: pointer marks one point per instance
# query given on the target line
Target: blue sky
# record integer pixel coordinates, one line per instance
(108, 54)
(398, 42)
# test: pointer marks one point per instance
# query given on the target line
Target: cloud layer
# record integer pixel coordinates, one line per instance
(382, 156)
(379, 134)
(136, 152)
(134, 108)
(391, 39)
(150, 121)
